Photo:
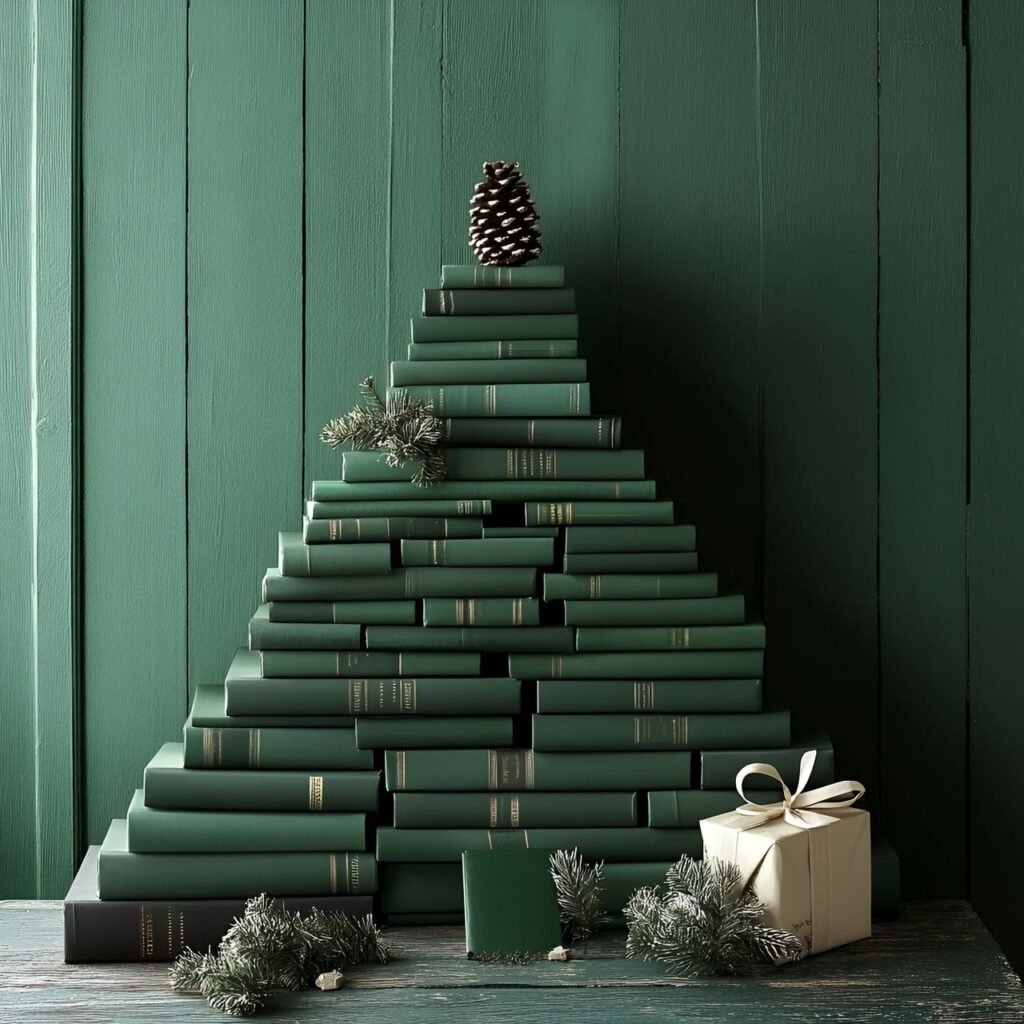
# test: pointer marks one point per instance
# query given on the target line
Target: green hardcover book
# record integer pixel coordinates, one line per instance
(433, 732)
(278, 748)
(433, 919)
(448, 844)
(630, 562)
(599, 513)
(546, 432)
(659, 732)
(168, 783)
(497, 639)
(608, 696)
(629, 587)
(481, 611)
(645, 664)
(623, 879)
(514, 810)
(428, 581)
(458, 771)
(265, 635)
(495, 301)
(445, 372)
(362, 530)
(749, 636)
(391, 507)
(500, 399)
(501, 551)
(475, 276)
(525, 348)
(420, 888)
(376, 613)
(297, 559)
(491, 532)
(357, 664)
(159, 876)
(157, 830)
(683, 808)
(209, 709)
(719, 768)
(691, 611)
(494, 328)
(583, 540)
(328, 495)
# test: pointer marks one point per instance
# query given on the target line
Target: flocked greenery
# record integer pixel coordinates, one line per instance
(406, 430)
(702, 921)
(269, 948)
(579, 887)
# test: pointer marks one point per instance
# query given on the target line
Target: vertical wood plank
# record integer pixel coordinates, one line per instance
(689, 268)
(818, 298)
(996, 561)
(347, 155)
(922, 439)
(133, 228)
(244, 310)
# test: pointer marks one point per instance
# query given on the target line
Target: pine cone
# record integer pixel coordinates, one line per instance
(502, 221)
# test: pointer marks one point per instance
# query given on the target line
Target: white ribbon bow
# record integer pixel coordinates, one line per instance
(793, 807)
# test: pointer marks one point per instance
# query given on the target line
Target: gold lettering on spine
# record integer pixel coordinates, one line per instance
(352, 866)
(492, 820)
(513, 812)
(316, 792)
(332, 529)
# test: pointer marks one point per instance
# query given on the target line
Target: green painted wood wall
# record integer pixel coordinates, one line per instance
(795, 228)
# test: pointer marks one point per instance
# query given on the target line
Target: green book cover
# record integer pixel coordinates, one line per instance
(357, 664)
(377, 613)
(582, 540)
(481, 611)
(500, 399)
(514, 810)
(491, 301)
(494, 328)
(476, 276)
(297, 559)
(687, 611)
(622, 880)
(433, 919)
(630, 562)
(157, 876)
(645, 664)
(499, 551)
(364, 529)
(433, 732)
(519, 531)
(749, 636)
(525, 348)
(265, 635)
(659, 732)
(719, 768)
(604, 696)
(157, 830)
(420, 888)
(629, 586)
(684, 808)
(497, 639)
(391, 507)
(510, 902)
(328, 495)
(168, 783)
(545, 432)
(445, 372)
(209, 709)
(599, 513)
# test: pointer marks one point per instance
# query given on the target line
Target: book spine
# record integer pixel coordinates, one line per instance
(500, 399)
(221, 720)
(175, 876)
(298, 559)
(622, 880)
(446, 372)
(526, 348)
(494, 328)
(428, 581)
(570, 696)
(643, 664)
(357, 664)
(420, 888)
(628, 495)
(297, 749)
(631, 562)
(683, 808)
(514, 810)
(693, 611)
(490, 532)
(652, 586)
(270, 636)
(448, 844)
(495, 639)
(481, 611)
(361, 529)
(393, 505)
(389, 613)
(581, 540)
(492, 301)
(502, 551)
(458, 276)
(433, 732)
(749, 636)
(575, 432)
(598, 513)
(718, 768)
(659, 732)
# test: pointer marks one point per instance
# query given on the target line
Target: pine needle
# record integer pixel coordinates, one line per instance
(579, 888)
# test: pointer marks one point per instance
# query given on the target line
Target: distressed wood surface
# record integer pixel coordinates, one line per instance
(936, 963)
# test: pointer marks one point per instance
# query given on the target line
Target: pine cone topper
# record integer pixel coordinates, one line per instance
(502, 221)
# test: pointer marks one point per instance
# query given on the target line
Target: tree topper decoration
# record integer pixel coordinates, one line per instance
(502, 220)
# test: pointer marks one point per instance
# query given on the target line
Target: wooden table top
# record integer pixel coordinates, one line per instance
(937, 963)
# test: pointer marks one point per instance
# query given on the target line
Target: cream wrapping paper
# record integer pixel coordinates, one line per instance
(807, 857)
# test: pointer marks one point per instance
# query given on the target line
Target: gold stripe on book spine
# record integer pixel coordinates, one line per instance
(492, 819)
(316, 792)
(513, 812)
(492, 769)
(334, 873)
(400, 769)
(531, 779)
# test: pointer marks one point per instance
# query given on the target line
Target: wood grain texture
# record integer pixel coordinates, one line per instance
(936, 963)
(817, 330)
(922, 437)
(244, 311)
(996, 560)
